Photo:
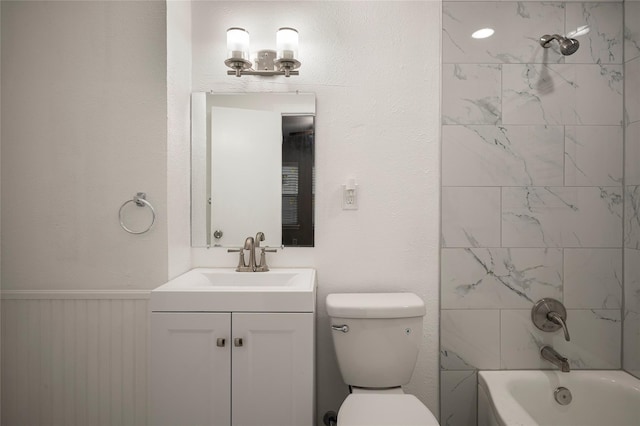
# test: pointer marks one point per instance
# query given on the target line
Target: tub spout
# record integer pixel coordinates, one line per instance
(550, 354)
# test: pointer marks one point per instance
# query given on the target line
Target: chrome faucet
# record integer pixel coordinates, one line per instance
(550, 354)
(252, 244)
(249, 244)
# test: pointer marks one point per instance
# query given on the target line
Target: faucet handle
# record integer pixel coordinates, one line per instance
(262, 266)
(550, 315)
(242, 266)
(558, 319)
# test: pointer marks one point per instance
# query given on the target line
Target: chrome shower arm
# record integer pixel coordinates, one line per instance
(546, 39)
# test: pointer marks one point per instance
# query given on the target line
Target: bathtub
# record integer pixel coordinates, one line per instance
(599, 398)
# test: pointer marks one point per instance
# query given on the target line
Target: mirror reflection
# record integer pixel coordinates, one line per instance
(252, 168)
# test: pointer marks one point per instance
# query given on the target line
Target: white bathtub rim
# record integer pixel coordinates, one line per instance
(513, 414)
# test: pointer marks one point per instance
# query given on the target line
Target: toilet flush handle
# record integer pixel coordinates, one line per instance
(344, 328)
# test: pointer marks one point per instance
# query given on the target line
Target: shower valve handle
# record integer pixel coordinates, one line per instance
(550, 315)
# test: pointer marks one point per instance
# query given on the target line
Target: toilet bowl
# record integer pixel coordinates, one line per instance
(376, 338)
(384, 410)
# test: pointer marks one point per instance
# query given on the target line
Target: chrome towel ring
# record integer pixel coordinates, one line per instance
(140, 200)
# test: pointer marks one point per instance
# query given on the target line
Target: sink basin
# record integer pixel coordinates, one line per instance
(225, 290)
(260, 279)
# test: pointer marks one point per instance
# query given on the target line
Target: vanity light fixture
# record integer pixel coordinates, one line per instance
(282, 61)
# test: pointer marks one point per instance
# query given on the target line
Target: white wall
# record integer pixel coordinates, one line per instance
(374, 67)
(85, 127)
(178, 135)
(86, 88)
(0, 207)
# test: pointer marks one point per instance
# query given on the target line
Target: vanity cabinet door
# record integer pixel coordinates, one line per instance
(273, 369)
(190, 369)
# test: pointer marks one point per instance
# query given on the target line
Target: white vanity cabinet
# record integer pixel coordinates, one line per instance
(232, 368)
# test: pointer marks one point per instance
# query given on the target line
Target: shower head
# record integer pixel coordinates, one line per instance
(568, 46)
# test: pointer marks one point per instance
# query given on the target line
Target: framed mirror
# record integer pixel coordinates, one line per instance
(252, 168)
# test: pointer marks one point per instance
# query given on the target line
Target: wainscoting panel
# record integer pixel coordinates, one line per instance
(74, 358)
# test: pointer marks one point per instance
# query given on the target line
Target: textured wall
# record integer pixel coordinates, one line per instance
(85, 127)
(532, 204)
(84, 103)
(178, 136)
(631, 326)
(374, 67)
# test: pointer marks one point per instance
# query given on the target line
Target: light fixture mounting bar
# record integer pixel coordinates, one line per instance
(263, 73)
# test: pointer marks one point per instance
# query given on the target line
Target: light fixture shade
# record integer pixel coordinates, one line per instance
(237, 43)
(287, 43)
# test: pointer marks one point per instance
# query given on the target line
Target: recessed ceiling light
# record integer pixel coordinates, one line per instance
(483, 33)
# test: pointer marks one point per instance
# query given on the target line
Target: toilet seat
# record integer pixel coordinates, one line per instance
(384, 410)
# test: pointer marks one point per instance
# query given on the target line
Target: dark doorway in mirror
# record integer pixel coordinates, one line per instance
(298, 180)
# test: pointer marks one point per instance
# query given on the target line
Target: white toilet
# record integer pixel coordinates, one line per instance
(377, 338)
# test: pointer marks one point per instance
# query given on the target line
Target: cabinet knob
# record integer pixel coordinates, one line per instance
(220, 342)
(238, 341)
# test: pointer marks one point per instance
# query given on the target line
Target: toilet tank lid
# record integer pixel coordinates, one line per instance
(375, 305)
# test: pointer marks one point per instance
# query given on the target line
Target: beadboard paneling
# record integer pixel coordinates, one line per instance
(74, 358)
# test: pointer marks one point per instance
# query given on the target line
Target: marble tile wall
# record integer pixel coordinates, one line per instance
(532, 189)
(631, 312)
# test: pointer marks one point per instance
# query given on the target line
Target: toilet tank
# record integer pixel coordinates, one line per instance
(379, 346)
